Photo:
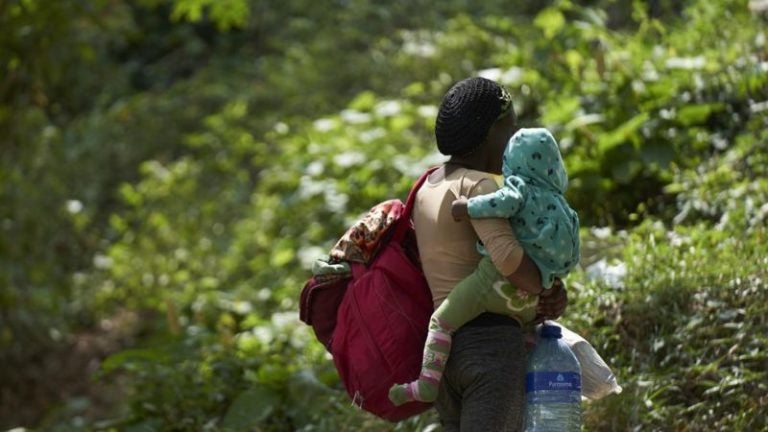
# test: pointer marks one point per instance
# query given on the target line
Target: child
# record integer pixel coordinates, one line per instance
(544, 224)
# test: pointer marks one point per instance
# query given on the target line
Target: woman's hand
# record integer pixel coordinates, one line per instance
(552, 302)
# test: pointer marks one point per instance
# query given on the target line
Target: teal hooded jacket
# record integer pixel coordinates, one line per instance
(532, 198)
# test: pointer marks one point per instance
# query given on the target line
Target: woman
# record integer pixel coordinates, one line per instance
(482, 388)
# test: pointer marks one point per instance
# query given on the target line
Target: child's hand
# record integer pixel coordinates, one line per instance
(459, 209)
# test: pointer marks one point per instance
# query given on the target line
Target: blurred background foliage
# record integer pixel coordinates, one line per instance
(170, 169)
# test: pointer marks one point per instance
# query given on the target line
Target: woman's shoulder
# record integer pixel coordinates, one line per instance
(478, 176)
(469, 182)
(468, 175)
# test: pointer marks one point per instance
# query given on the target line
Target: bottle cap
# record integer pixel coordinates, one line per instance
(551, 331)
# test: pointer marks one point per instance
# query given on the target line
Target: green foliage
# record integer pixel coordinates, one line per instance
(189, 159)
(687, 326)
(226, 14)
(629, 107)
(224, 373)
(686, 331)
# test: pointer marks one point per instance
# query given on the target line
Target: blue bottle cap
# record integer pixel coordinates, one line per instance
(551, 331)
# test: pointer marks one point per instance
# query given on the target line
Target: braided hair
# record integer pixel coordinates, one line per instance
(467, 112)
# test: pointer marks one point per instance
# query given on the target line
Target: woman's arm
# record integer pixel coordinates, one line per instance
(510, 258)
(504, 249)
(526, 277)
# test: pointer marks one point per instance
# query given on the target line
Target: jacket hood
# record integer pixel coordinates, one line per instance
(533, 155)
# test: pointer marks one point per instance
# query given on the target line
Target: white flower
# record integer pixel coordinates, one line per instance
(611, 275)
(355, 117)
(427, 111)
(285, 320)
(315, 168)
(493, 74)
(687, 63)
(602, 233)
(324, 125)
(388, 108)
(281, 128)
(102, 261)
(308, 255)
(348, 159)
(372, 134)
(74, 206)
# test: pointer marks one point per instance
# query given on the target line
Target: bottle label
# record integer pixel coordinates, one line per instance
(553, 387)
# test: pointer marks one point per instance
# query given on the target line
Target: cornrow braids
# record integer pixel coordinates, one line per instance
(467, 112)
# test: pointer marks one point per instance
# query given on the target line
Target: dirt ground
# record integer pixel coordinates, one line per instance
(60, 382)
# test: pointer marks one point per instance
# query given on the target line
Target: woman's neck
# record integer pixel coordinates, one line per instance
(476, 161)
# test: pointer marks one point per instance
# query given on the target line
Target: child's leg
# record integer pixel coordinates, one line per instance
(505, 299)
(464, 303)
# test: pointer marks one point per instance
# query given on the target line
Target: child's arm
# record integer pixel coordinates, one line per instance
(459, 209)
(504, 203)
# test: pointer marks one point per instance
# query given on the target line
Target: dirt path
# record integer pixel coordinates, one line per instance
(59, 383)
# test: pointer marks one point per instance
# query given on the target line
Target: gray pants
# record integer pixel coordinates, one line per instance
(483, 385)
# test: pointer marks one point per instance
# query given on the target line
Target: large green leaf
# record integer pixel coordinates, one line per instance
(225, 13)
(130, 356)
(697, 114)
(251, 408)
(550, 21)
(622, 134)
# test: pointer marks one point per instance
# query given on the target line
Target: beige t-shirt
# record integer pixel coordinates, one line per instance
(447, 248)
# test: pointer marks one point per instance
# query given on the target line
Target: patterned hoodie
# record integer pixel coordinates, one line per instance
(532, 199)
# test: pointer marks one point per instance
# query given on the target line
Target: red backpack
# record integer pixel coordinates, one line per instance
(373, 319)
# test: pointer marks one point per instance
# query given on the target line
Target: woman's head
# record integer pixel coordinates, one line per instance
(476, 114)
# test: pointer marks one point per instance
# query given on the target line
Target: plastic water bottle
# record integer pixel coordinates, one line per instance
(552, 385)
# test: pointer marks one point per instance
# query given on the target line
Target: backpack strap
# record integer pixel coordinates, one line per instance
(405, 219)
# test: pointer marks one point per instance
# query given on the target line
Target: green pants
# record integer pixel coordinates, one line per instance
(485, 290)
